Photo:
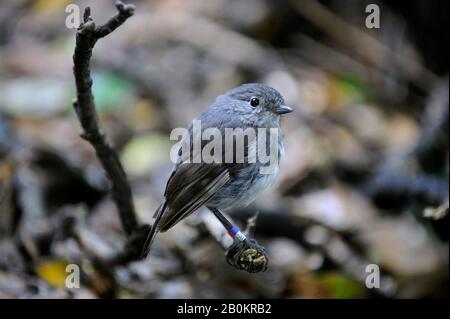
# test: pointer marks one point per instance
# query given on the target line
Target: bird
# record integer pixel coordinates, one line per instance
(224, 185)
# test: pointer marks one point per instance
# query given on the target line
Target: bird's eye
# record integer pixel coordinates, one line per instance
(254, 102)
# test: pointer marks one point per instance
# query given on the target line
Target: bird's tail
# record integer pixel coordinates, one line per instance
(153, 231)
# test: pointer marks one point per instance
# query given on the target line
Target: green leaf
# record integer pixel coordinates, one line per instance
(342, 287)
(110, 91)
(353, 86)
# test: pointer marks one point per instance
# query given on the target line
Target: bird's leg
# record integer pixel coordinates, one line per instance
(233, 231)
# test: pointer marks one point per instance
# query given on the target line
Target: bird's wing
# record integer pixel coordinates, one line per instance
(189, 187)
(192, 184)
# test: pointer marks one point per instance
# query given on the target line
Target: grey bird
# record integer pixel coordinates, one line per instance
(223, 185)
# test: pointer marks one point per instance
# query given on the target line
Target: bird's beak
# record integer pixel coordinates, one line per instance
(282, 109)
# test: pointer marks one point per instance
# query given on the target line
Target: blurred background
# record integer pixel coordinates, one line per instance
(364, 180)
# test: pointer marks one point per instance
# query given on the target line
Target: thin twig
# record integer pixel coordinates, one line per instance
(436, 213)
(251, 224)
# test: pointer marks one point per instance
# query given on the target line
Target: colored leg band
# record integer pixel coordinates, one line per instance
(234, 232)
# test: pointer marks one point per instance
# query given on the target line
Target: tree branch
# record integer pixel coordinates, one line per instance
(87, 36)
